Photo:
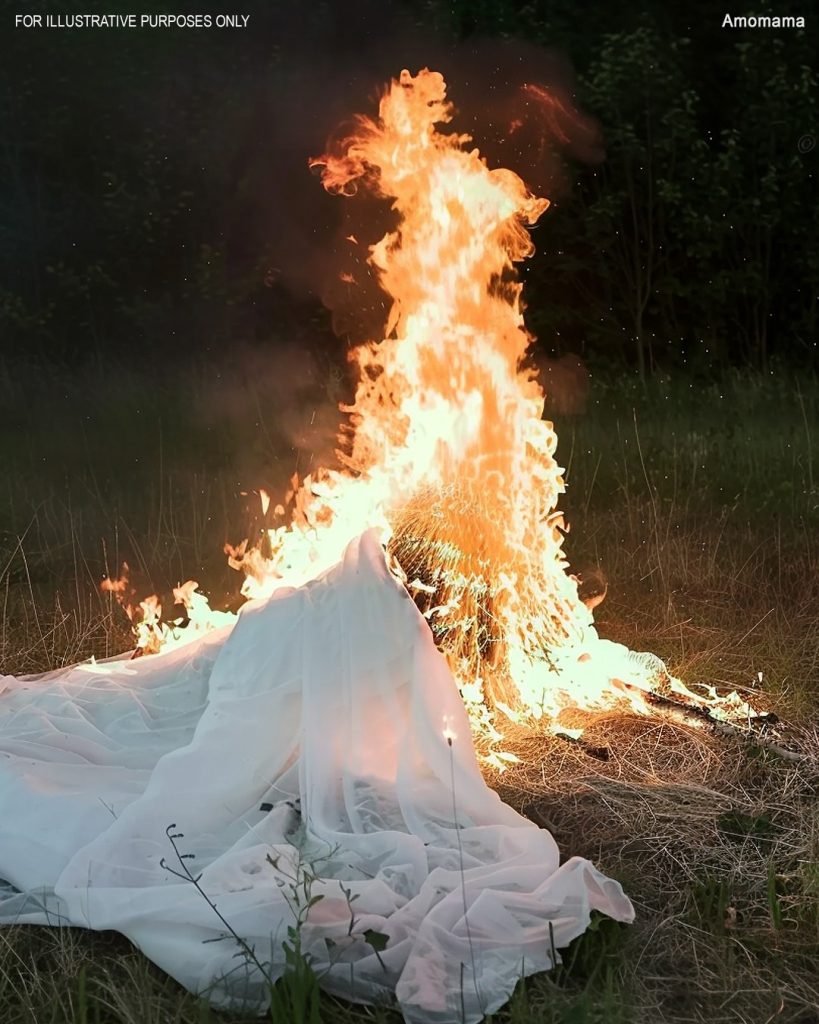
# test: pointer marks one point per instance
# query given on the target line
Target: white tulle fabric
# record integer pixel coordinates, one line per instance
(329, 703)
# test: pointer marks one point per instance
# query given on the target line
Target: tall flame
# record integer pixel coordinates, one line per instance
(448, 453)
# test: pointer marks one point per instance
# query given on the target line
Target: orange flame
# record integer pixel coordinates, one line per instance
(449, 449)
(448, 455)
(152, 633)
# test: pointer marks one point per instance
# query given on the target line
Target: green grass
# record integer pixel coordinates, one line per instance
(697, 503)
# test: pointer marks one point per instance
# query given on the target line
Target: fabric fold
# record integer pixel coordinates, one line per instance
(303, 746)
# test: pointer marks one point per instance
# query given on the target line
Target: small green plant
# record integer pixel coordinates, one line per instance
(713, 904)
(590, 956)
(184, 873)
(81, 1010)
(586, 988)
(295, 994)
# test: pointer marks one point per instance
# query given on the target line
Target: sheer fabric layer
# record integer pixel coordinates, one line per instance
(305, 745)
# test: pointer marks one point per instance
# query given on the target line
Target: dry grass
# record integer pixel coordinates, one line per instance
(702, 516)
(718, 844)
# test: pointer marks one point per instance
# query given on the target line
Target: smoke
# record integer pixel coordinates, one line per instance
(333, 61)
(275, 407)
(565, 380)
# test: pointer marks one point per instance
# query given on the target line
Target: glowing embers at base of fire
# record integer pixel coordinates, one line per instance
(574, 685)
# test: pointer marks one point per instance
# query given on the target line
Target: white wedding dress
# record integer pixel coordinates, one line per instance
(310, 732)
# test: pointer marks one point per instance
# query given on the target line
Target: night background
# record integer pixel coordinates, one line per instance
(174, 335)
(156, 195)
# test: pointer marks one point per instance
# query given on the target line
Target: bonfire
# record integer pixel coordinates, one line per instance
(445, 450)
(314, 755)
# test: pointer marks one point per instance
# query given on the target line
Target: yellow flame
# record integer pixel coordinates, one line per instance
(448, 454)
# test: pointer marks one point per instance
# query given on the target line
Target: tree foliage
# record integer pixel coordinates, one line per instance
(142, 197)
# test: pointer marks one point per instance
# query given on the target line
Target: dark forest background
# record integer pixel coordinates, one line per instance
(156, 201)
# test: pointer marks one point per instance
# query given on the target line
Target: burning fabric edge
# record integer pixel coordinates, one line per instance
(323, 733)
